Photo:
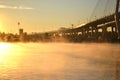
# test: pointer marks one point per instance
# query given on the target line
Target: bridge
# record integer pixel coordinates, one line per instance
(105, 28)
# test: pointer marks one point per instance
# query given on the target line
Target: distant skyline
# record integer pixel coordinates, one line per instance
(43, 15)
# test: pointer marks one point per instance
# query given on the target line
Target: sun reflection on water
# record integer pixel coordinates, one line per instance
(23, 57)
(3, 48)
(7, 56)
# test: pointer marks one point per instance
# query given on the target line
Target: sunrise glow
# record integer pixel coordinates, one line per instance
(0, 25)
(59, 39)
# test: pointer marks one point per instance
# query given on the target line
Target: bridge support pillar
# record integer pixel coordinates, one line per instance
(117, 18)
(96, 32)
(83, 32)
(112, 29)
(104, 32)
(87, 32)
(92, 31)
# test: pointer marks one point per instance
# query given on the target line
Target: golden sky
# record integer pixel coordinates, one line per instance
(43, 15)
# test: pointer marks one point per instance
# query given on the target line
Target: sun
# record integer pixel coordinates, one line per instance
(1, 25)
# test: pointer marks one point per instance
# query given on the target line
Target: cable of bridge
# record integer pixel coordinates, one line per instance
(103, 8)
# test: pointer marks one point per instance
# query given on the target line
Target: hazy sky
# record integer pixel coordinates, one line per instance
(43, 15)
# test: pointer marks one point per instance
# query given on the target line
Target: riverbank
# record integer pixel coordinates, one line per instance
(45, 37)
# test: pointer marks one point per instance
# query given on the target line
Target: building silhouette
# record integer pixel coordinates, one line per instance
(21, 31)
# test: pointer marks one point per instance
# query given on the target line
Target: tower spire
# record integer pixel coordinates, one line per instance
(18, 24)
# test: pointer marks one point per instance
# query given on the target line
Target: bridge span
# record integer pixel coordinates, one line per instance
(106, 28)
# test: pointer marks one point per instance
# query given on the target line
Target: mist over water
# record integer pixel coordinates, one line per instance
(58, 61)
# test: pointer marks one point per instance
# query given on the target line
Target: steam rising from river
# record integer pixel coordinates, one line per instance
(58, 59)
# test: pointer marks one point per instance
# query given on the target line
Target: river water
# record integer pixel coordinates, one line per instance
(58, 61)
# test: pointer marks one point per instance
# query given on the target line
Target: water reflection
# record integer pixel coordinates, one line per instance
(58, 61)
